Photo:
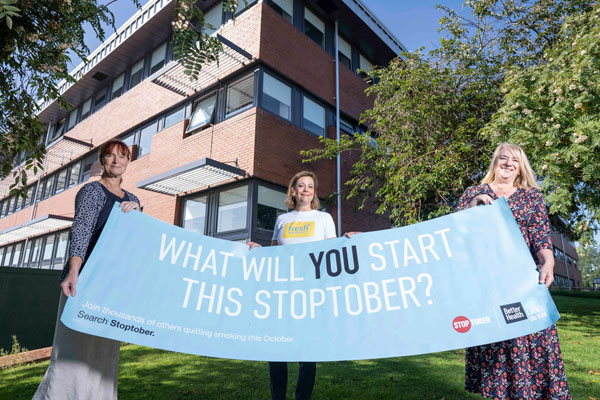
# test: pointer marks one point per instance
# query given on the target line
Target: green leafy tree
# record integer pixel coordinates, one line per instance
(37, 40)
(430, 110)
(589, 264)
(553, 111)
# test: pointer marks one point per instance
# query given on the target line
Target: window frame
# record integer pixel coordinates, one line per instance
(251, 75)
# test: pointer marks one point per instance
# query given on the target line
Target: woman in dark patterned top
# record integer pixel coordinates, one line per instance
(528, 367)
(84, 366)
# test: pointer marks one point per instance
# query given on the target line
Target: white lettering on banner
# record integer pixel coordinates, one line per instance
(203, 294)
(210, 263)
(371, 297)
(272, 270)
(429, 247)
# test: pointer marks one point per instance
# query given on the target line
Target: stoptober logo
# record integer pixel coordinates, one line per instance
(461, 324)
(513, 313)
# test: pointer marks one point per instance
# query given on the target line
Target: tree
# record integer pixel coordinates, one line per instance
(37, 39)
(430, 111)
(553, 111)
(589, 264)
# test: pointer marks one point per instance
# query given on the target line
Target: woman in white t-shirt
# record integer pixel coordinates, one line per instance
(305, 224)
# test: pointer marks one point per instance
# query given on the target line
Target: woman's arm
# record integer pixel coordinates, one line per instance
(546, 266)
(70, 282)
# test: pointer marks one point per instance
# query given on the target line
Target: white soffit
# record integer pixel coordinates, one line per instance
(39, 226)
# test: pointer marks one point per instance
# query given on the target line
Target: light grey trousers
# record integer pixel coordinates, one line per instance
(82, 366)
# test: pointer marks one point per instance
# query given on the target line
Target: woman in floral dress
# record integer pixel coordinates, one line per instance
(528, 367)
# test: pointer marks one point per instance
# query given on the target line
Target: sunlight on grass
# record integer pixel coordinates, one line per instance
(155, 374)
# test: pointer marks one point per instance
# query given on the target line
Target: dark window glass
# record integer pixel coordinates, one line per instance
(137, 73)
(314, 28)
(9, 205)
(194, 214)
(86, 166)
(117, 86)
(74, 175)
(2, 207)
(345, 53)
(285, 8)
(30, 193)
(240, 95)
(48, 188)
(99, 101)
(20, 203)
(58, 131)
(175, 117)
(233, 204)
(40, 191)
(146, 139)
(271, 204)
(61, 181)
(85, 109)
(204, 111)
(158, 58)
(277, 97)
(314, 117)
(72, 120)
(25, 262)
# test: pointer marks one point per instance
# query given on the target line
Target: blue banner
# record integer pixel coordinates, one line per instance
(461, 280)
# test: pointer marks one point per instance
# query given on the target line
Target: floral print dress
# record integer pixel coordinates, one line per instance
(528, 367)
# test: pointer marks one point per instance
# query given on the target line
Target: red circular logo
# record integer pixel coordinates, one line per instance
(461, 324)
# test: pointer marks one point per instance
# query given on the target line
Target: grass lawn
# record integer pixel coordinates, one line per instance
(155, 374)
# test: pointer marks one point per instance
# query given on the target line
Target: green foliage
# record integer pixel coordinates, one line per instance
(34, 53)
(589, 264)
(431, 112)
(192, 47)
(16, 348)
(553, 111)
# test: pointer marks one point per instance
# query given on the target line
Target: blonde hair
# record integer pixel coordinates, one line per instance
(290, 200)
(526, 178)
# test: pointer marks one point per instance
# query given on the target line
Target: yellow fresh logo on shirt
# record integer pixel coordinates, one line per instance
(298, 229)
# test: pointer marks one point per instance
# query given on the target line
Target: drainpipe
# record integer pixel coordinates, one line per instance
(337, 133)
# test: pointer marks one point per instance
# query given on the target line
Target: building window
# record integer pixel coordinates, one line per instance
(46, 261)
(58, 131)
(232, 212)
(346, 126)
(117, 86)
(271, 204)
(36, 247)
(2, 207)
(7, 256)
(204, 112)
(314, 28)
(175, 117)
(158, 58)
(72, 120)
(99, 100)
(240, 95)
(61, 181)
(85, 109)
(17, 254)
(86, 166)
(30, 192)
(25, 262)
(314, 117)
(277, 97)
(61, 250)
(194, 216)
(213, 19)
(344, 53)
(146, 138)
(40, 191)
(285, 8)
(137, 73)
(74, 175)
(366, 66)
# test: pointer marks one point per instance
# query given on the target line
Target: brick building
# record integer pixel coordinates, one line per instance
(214, 155)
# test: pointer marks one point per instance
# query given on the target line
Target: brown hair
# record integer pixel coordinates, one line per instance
(525, 179)
(108, 147)
(290, 200)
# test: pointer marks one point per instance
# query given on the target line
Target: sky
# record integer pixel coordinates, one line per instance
(413, 22)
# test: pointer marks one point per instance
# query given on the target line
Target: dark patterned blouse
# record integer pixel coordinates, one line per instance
(528, 208)
(89, 202)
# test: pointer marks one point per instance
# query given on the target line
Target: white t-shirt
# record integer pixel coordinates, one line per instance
(303, 226)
